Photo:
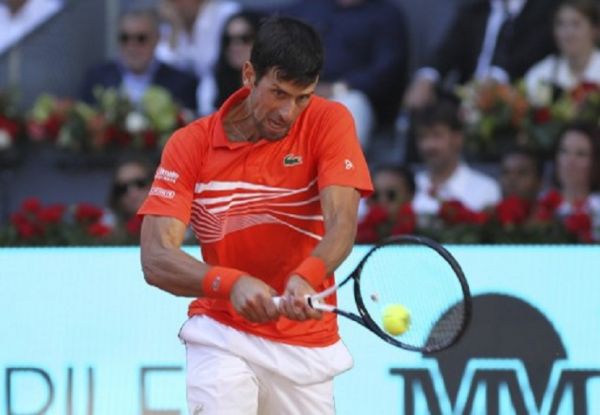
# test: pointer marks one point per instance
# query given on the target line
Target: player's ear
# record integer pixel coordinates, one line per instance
(248, 75)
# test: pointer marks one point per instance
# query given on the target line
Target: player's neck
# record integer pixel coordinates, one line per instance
(239, 125)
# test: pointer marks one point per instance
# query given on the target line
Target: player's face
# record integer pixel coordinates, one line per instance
(137, 39)
(519, 177)
(439, 146)
(574, 161)
(275, 104)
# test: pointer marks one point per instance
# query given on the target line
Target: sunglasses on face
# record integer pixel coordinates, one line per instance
(139, 38)
(119, 189)
(245, 38)
(387, 195)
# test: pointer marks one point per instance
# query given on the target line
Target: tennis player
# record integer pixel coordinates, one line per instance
(270, 185)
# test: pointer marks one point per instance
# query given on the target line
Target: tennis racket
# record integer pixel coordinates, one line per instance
(417, 273)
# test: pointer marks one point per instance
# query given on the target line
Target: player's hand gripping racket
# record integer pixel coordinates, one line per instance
(403, 273)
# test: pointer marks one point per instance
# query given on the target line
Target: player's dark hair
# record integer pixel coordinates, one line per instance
(289, 46)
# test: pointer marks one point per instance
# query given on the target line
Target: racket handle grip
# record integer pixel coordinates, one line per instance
(277, 300)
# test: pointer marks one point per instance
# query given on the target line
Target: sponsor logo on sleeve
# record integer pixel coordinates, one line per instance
(166, 175)
(161, 192)
(348, 165)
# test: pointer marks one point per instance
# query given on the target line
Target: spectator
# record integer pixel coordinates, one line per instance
(136, 69)
(577, 168)
(191, 39)
(489, 39)
(19, 17)
(130, 184)
(389, 209)
(393, 186)
(238, 37)
(521, 174)
(366, 48)
(445, 177)
(576, 29)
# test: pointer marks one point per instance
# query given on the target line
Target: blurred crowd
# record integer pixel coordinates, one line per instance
(520, 77)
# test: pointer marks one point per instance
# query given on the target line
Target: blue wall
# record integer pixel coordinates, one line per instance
(79, 327)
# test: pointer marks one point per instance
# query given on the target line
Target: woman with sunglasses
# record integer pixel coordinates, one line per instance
(236, 43)
(389, 209)
(129, 187)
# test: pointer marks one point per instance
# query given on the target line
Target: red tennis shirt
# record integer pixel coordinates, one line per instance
(255, 206)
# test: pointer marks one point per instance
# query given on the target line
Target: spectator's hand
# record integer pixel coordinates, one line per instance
(293, 304)
(420, 93)
(252, 299)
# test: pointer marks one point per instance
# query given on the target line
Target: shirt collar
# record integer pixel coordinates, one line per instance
(148, 73)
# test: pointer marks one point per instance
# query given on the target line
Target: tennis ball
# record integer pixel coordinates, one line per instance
(396, 319)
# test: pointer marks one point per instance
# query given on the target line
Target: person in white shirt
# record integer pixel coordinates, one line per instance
(20, 17)
(576, 30)
(489, 40)
(192, 40)
(445, 176)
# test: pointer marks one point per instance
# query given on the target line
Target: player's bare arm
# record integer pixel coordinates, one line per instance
(339, 205)
(167, 267)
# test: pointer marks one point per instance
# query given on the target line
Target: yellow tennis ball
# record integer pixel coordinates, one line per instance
(396, 319)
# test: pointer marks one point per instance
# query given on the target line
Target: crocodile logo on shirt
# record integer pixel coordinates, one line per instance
(292, 160)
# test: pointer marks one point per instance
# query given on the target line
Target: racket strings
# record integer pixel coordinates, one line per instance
(418, 278)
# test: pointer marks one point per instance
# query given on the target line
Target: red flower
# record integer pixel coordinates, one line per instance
(31, 205)
(134, 225)
(580, 224)
(51, 214)
(52, 126)
(581, 91)
(99, 230)
(552, 200)
(406, 221)
(542, 115)
(27, 230)
(17, 219)
(367, 231)
(35, 131)
(150, 139)
(454, 212)
(547, 205)
(10, 126)
(85, 212)
(513, 211)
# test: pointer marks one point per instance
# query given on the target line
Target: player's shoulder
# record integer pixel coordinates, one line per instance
(191, 136)
(323, 108)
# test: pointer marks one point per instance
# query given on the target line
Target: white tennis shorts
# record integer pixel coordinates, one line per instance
(230, 372)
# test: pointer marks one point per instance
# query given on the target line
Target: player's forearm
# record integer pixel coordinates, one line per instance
(174, 271)
(337, 243)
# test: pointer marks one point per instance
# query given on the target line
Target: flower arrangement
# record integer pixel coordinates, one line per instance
(499, 115)
(11, 122)
(494, 115)
(547, 117)
(113, 123)
(511, 221)
(35, 224)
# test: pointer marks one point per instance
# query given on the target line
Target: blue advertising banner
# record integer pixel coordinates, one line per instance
(81, 333)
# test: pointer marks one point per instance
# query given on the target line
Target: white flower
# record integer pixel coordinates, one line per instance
(5, 140)
(135, 122)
